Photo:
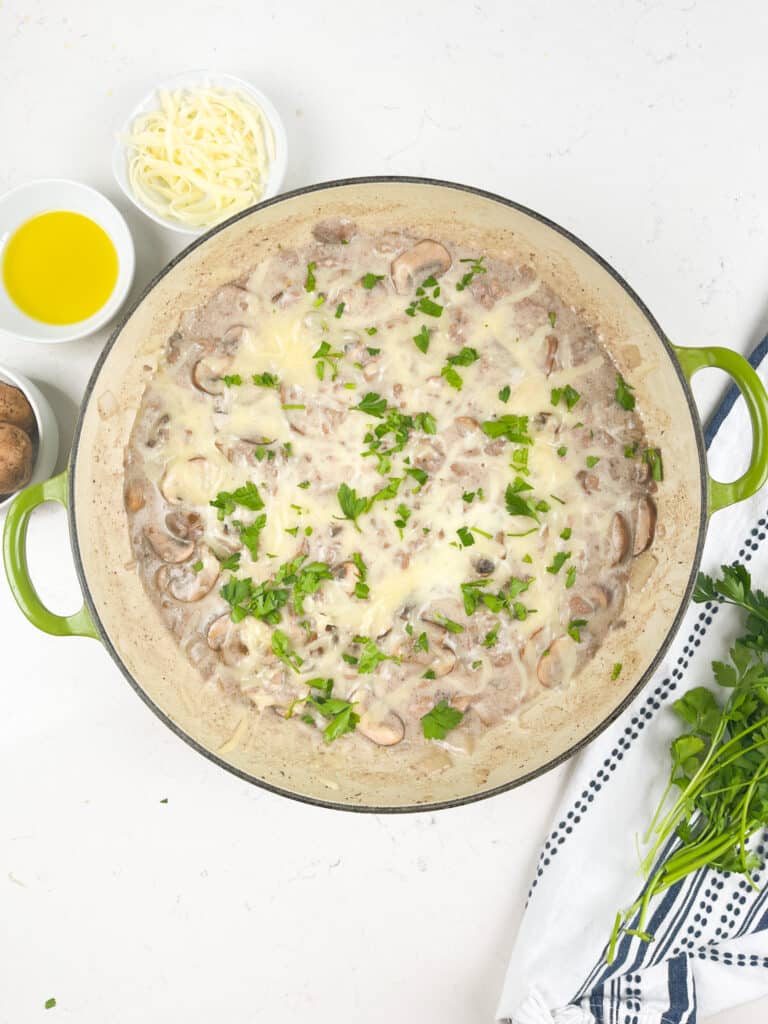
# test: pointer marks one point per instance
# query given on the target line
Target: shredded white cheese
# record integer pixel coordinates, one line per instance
(204, 155)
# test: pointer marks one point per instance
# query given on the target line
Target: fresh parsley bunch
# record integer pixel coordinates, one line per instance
(717, 794)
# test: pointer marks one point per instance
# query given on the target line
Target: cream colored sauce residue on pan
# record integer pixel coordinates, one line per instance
(195, 437)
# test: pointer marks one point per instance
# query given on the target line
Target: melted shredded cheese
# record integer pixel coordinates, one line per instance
(201, 157)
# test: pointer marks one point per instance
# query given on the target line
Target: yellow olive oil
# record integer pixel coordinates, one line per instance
(60, 267)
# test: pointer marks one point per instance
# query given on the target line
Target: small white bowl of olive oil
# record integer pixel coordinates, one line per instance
(66, 261)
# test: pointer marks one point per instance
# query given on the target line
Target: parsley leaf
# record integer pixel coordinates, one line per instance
(421, 340)
(369, 280)
(505, 393)
(372, 404)
(310, 284)
(466, 538)
(248, 496)
(266, 380)
(351, 505)
(558, 562)
(232, 379)
(371, 656)
(465, 357)
(571, 396)
(513, 428)
(438, 722)
(452, 377)
(624, 395)
(281, 646)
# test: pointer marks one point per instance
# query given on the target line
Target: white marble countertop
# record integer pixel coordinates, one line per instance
(639, 126)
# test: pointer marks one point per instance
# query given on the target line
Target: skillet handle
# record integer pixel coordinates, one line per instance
(17, 571)
(753, 391)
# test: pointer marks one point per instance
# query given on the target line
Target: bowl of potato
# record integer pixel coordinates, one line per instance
(29, 435)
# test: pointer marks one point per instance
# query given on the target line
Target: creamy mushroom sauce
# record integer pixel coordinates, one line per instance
(495, 556)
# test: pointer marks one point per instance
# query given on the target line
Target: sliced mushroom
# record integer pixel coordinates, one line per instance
(589, 481)
(384, 732)
(217, 632)
(176, 478)
(169, 548)
(645, 526)
(348, 576)
(551, 358)
(553, 662)
(619, 539)
(208, 372)
(184, 584)
(334, 230)
(428, 455)
(439, 658)
(466, 425)
(186, 525)
(134, 496)
(598, 596)
(579, 606)
(426, 258)
(159, 432)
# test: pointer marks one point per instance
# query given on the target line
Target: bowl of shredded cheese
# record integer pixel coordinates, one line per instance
(199, 148)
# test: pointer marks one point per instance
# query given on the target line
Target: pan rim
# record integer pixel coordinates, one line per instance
(470, 797)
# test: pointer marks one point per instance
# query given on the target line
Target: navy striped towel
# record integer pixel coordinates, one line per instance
(711, 930)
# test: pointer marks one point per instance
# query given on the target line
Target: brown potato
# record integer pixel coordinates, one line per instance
(15, 458)
(15, 409)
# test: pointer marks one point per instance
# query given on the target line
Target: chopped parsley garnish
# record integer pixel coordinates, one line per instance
(491, 636)
(652, 456)
(293, 405)
(465, 357)
(421, 340)
(425, 422)
(281, 646)
(466, 538)
(476, 268)
(372, 351)
(438, 722)
(558, 562)
(351, 505)
(371, 330)
(624, 395)
(369, 280)
(319, 300)
(232, 379)
(388, 492)
(452, 377)
(552, 317)
(50, 1003)
(310, 284)
(370, 656)
(469, 496)
(505, 393)
(372, 404)
(566, 533)
(562, 451)
(574, 629)
(616, 671)
(426, 305)
(266, 380)
(404, 514)
(449, 624)
(304, 485)
(339, 713)
(248, 496)
(571, 396)
(516, 504)
(326, 357)
(592, 461)
(422, 643)
(630, 450)
(362, 590)
(229, 564)
(419, 475)
(340, 310)
(570, 577)
(198, 566)
(513, 428)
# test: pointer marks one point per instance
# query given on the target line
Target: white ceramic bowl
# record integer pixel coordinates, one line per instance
(47, 446)
(196, 80)
(27, 201)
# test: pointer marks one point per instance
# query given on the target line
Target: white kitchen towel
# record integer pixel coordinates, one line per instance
(711, 930)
